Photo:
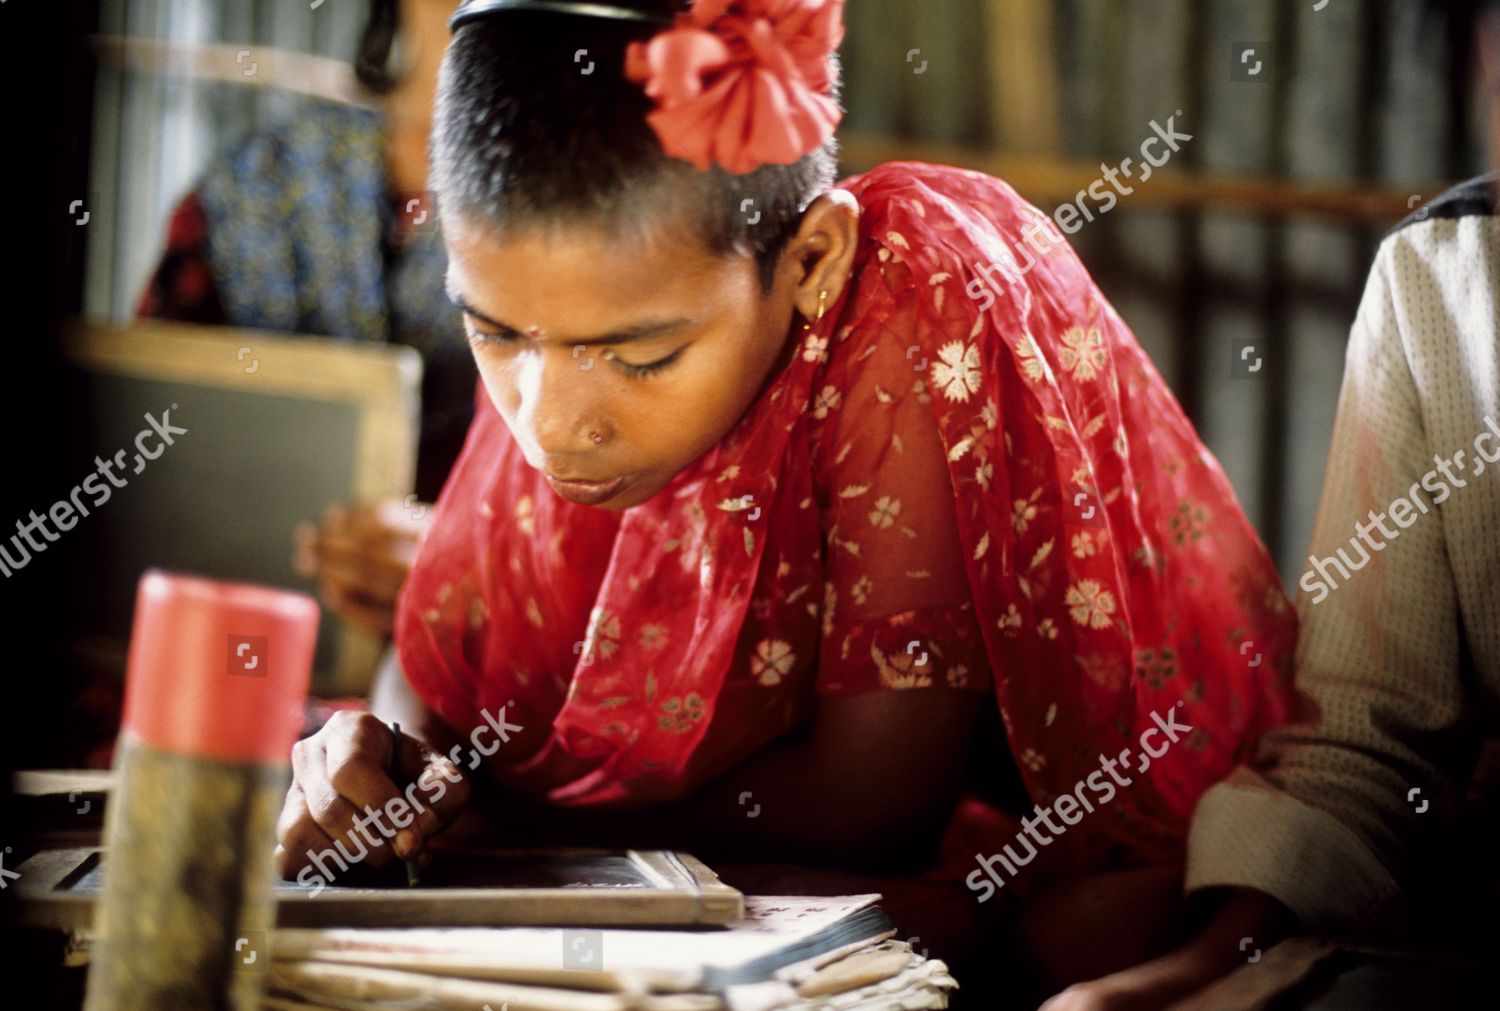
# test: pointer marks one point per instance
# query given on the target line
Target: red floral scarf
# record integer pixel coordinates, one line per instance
(949, 488)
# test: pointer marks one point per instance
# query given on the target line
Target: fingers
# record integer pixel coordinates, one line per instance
(440, 786)
(1144, 988)
(387, 525)
(1081, 997)
(421, 791)
(332, 813)
(360, 761)
(377, 531)
(360, 556)
(339, 796)
(374, 616)
(298, 836)
(360, 769)
(365, 561)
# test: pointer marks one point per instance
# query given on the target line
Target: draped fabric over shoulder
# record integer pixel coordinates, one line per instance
(953, 488)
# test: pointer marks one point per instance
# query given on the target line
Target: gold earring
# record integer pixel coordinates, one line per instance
(822, 307)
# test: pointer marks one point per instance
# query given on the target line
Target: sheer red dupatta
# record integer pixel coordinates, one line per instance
(1110, 571)
(617, 629)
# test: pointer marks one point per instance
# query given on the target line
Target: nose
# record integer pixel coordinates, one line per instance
(562, 403)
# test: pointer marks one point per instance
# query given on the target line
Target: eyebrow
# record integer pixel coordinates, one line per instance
(638, 332)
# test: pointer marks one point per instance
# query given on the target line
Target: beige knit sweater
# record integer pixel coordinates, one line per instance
(1399, 601)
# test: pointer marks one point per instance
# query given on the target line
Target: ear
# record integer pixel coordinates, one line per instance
(821, 255)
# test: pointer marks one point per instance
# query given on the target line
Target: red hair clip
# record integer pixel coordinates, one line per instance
(743, 83)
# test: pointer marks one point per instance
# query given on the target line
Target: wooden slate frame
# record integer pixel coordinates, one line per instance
(381, 381)
(683, 892)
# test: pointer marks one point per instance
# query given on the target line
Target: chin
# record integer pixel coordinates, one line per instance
(636, 494)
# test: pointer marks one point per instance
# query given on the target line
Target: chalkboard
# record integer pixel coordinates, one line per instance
(599, 888)
(277, 429)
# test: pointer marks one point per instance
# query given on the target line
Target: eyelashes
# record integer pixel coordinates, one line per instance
(650, 368)
(491, 339)
(642, 371)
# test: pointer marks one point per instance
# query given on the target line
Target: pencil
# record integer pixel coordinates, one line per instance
(398, 776)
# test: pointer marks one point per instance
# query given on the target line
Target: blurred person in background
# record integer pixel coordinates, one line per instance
(1376, 815)
(321, 225)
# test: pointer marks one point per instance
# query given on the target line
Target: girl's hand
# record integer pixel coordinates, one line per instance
(342, 791)
(359, 556)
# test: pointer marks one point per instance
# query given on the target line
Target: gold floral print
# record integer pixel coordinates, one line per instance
(885, 512)
(773, 660)
(900, 670)
(679, 714)
(1188, 523)
(956, 373)
(1082, 353)
(1090, 604)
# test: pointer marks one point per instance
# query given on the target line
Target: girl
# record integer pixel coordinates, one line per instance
(775, 487)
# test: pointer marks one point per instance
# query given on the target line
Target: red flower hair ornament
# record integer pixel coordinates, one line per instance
(743, 83)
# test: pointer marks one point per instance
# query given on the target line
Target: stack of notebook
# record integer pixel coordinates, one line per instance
(415, 948)
(786, 953)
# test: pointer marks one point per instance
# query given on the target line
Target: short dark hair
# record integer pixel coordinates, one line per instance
(377, 40)
(526, 133)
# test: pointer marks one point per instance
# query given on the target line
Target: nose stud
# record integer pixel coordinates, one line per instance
(596, 437)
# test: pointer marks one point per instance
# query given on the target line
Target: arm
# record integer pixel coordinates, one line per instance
(1214, 952)
(393, 700)
(1324, 821)
(342, 780)
(1318, 834)
(870, 785)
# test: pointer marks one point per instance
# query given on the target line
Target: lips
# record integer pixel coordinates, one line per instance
(588, 492)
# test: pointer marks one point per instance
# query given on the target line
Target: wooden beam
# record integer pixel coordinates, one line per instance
(246, 65)
(1053, 181)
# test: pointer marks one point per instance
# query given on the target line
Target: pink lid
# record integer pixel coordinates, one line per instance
(218, 670)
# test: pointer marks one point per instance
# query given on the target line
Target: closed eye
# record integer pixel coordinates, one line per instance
(641, 371)
(649, 368)
(487, 336)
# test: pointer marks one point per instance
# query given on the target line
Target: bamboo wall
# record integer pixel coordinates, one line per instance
(1259, 232)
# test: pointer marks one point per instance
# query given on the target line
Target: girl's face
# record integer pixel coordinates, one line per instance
(615, 363)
